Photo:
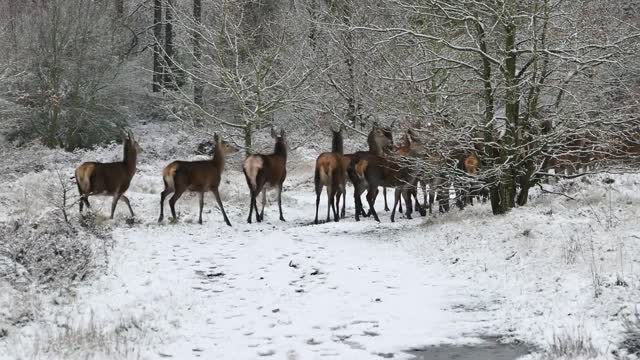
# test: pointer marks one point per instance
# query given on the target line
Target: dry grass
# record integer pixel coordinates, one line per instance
(571, 346)
(88, 339)
(631, 342)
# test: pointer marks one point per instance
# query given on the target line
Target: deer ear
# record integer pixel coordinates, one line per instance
(282, 134)
(273, 133)
(216, 138)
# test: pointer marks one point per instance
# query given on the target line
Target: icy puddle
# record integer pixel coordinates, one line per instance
(490, 349)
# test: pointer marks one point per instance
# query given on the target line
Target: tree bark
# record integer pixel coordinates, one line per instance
(119, 8)
(198, 86)
(157, 47)
(248, 135)
(168, 78)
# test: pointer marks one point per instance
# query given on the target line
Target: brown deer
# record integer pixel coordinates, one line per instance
(196, 176)
(112, 179)
(380, 141)
(409, 146)
(388, 171)
(330, 172)
(263, 171)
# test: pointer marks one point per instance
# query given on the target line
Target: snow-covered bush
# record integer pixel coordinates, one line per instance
(631, 342)
(572, 346)
(51, 251)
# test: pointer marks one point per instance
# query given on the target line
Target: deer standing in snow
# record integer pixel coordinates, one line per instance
(330, 172)
(196, 176)
(263, 171)
(111, 179)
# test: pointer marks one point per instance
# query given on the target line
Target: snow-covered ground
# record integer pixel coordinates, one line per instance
(343, 290)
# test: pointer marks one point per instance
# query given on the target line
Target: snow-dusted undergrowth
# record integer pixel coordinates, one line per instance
(558, 273)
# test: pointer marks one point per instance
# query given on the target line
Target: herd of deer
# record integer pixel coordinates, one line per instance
(380, 166)
(384, 165)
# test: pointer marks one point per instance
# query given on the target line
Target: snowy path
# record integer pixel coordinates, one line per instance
(285, 290)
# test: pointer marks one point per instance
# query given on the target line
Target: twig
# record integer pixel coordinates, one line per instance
(555, 193)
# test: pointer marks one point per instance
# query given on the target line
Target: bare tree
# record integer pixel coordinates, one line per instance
(157, 47)
(511, 61)
(197, 52)
(253, 80)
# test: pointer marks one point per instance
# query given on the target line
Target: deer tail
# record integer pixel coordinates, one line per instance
(361, 167)
(252, 166)
(83, 177)
(168, 174)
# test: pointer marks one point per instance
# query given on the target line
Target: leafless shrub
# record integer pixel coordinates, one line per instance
(53, 252)
(88, 338)
(571, 346)
(571, 248)
(631, 342)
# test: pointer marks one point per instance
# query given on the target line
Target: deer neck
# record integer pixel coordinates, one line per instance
(130, 160)
(281, 149)
(218, 158)
(337, 145)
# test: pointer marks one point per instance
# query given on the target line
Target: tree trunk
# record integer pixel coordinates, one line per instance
(197, 54)
(168, 46)
(157, 48)
(119, 8)
(349, 46)
(511, 139)
(248, 135)
(313, 27)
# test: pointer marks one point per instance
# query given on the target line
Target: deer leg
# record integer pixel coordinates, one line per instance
(224, 214)
(318, 193)
(396, 200)
(280, 202)
(356, 200)
(336, 209)
(344, 201)
(334, 193)
(114, 203)
(81, 202)
(406, 194)
(374, 196)
(419, 207)
(126, 201)
(360, 192)
(172, 202)
(399, 202)
(253, 199)
(264, 202)
(329, 201)
(384, 194)
(371, 198)
(163, 196)
(201, 203)
(255, 207)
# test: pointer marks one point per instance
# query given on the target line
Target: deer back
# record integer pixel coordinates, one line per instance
(110, 178)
